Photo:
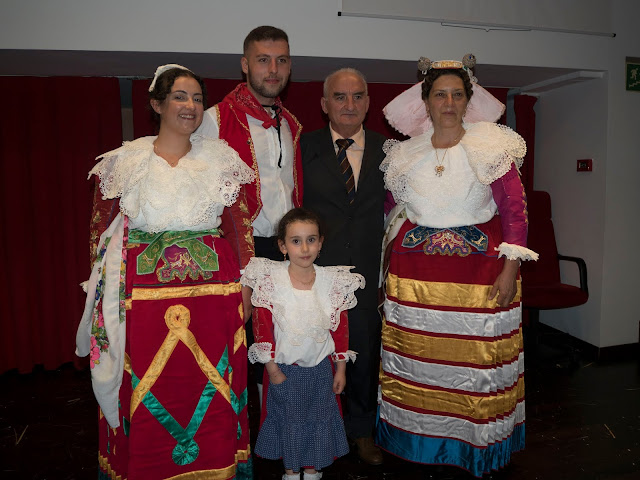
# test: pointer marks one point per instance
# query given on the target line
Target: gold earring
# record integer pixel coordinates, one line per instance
(284, 255)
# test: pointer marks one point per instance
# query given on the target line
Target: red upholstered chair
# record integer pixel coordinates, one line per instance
(542, 288)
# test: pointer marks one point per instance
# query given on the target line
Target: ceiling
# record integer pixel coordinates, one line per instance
(210, 65)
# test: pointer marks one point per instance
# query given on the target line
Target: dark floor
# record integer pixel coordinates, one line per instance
(583, 422)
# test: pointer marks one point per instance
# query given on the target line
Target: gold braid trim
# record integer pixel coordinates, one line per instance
(185, 292)
(104, 465)
(177, 318)
(295, 141)
(239, 339)
(254, 164)
(217, 108)
(216, 474)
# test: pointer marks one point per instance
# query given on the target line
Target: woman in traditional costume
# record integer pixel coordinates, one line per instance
(452, 373)
(163, 319)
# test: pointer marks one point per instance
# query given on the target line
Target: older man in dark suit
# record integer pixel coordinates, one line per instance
(343, 184)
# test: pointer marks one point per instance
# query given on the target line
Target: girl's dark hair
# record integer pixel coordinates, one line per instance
(297, 215)
(435, 73)
(165, 82)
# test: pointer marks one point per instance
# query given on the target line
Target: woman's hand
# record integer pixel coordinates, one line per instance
(340, 377)
(276, 377)
(506, 284)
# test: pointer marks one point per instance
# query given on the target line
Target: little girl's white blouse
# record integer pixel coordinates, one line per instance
(302, 319)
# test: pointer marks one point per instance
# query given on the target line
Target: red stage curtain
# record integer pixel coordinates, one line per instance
(302, 98)
(48, 142)
(52, 130)
(526, 126)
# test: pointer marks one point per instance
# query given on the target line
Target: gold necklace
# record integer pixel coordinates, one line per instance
(307, 283)
(172, 163)
(439, 168)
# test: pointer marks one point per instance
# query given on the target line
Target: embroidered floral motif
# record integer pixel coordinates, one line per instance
(93, 238)
(446, 242)
(95, 352)
(99, 340)
(123, 273)
(179, 263)
(201, 254)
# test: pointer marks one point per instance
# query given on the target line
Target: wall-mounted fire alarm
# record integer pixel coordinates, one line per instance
(585, 165)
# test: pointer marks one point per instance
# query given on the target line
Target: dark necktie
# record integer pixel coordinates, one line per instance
(345, 167)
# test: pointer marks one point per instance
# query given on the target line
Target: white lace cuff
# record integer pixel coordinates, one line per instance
(344, 356)
(261, 352)
(516, 252)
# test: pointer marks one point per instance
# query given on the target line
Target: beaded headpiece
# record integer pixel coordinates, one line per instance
(407, 112)
(467, 63)
(163, 68)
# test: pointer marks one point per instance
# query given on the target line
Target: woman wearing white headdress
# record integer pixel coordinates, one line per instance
(452, 385)
(163, 319)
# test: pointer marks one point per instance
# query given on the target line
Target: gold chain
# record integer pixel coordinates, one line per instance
(439, 168)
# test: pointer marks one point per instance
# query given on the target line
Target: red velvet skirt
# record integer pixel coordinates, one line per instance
(182, 403)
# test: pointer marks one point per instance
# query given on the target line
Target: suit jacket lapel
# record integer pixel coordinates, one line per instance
(367, 159)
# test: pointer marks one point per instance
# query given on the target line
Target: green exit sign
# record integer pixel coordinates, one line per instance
(633, 77)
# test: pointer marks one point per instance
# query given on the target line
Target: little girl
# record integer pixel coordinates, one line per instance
(300, 318)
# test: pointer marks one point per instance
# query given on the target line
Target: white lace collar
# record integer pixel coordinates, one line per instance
(490, 149)
(333, 292)
(190, 194)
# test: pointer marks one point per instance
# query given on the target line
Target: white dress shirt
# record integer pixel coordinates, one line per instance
(276, 183)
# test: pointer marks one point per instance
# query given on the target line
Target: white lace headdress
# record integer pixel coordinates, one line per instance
(163, 68)
(407, 112)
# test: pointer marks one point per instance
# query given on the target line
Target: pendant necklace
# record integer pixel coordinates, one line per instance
(439, 168)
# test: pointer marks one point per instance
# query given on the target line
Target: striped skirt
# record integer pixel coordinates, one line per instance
(452, 371)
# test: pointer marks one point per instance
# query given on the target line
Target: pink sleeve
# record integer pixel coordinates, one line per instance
(508, 193)
(341, 337)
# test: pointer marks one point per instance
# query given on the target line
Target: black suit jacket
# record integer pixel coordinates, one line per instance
(353, 232)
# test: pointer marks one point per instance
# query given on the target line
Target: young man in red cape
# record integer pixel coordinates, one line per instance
(253, 121)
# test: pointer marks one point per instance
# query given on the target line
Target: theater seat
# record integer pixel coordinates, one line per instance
(542, 288)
